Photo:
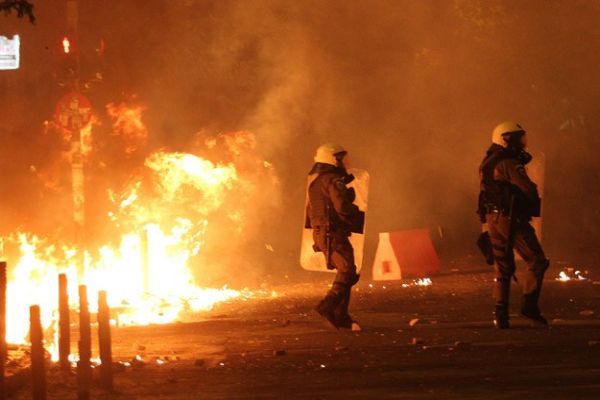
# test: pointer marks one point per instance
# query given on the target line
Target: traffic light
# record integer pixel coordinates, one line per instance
(66, 45)
(67, 63)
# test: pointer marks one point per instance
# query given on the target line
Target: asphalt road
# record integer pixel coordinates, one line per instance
(433, 342)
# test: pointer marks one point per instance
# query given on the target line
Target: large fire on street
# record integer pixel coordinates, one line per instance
(163, 220)
(279, 199)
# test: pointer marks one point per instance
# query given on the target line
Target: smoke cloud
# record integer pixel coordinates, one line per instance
(412, 88)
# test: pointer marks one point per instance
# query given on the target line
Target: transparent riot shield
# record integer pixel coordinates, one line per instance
(536, 171)
(313, 261)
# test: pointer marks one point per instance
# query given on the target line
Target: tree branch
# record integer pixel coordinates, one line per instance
(21, 7)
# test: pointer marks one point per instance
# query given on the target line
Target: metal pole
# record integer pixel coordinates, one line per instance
(106, 374)
(78, 178)
(73, 30)
(77, 167)
(84, 369)
(64, 323)
(3, 352)
(38, 370)
(145, 262)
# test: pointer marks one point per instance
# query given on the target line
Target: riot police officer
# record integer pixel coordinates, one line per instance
(332, 215)
(507, 202)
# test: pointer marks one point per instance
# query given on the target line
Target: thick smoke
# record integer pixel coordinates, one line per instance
(412, 88)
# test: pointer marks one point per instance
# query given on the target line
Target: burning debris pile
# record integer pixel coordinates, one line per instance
(572, 274)
(148, 235)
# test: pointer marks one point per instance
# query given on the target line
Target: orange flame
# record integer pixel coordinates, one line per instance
(163, 220)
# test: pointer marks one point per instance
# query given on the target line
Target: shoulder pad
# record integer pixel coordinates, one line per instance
(508, 163)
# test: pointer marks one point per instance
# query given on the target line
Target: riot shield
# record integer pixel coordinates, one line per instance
(536, 171)
(313, 261)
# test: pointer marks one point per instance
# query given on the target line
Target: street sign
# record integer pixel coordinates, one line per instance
(73, 111)
(9, 52)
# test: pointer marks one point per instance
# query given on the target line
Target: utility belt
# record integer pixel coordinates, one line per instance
(497, 212)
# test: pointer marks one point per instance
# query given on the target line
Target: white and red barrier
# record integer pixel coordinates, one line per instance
(404, 254)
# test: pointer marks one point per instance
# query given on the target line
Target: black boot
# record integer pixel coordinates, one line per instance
(326, 309)
(501, 316)
(531, 296)
(502, 296)
(342, 318)
(530, 308)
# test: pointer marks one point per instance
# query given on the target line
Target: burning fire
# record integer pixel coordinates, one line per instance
(570, 274)
(419, 282)
(128, 124)
(414, 282)
(162, 219)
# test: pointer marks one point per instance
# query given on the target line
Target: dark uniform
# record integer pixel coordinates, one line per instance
(508, 201)
(332, 215)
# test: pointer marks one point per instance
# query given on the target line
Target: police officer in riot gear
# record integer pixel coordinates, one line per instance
(333, 217)
(507, 202)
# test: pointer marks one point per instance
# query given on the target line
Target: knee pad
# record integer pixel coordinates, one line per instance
(541, 266)
(505, 271)
(348, 279)
(355, 279)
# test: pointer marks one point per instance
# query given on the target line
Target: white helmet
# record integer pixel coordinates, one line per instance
(329, 153)
(501, 132)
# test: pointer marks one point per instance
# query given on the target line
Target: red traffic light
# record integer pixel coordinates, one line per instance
(66, 44)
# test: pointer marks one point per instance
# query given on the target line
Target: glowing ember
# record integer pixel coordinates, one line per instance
(570, 274)
(414, 282)
(563, 277)
(419, 282)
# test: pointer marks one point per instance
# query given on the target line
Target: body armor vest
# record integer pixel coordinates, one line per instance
(321, 211)
(319, 204)
(495, 194)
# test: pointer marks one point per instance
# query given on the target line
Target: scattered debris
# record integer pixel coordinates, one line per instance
(341, 348)
(138, 362)
(121, 366)
(413, 321)
(461, 345)
(586, 313)
(417, 341)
